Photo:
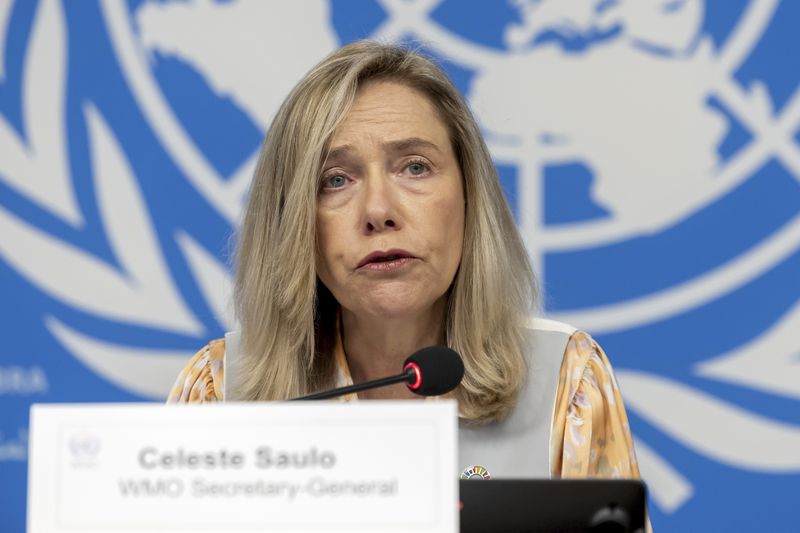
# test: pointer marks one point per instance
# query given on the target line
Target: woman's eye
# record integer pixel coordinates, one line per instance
(334, 182)
(417, 169)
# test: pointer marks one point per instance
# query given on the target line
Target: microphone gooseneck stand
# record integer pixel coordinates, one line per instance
(406, 377)
(431, 371)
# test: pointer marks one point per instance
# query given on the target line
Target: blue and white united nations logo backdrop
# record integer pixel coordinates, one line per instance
(650, 150)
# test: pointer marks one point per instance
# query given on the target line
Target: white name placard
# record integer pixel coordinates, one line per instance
(304, 466)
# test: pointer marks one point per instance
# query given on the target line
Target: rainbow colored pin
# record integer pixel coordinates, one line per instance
(475, 472)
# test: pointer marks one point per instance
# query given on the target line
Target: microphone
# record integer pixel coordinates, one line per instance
(431, 371)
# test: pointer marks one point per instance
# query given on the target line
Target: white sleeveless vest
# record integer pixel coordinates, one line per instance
(518, 446)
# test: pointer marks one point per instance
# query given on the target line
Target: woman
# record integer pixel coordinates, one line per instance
(376, 226)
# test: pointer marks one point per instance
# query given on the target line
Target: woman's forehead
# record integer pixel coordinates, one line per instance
(391, 116)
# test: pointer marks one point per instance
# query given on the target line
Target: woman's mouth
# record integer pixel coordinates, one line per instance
(387, 261)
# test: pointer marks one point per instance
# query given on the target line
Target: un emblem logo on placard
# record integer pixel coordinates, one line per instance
(631, 139)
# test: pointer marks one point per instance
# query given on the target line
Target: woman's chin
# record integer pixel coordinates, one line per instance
(395, 308)
(394, 301)
(398, 311)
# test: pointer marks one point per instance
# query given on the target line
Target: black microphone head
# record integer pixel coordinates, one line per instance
(436, 370)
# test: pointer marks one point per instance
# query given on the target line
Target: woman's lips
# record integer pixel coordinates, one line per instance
(387, 266)
(381, 257)
(385, 261)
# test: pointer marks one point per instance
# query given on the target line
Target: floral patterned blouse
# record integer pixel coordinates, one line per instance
(590, 436)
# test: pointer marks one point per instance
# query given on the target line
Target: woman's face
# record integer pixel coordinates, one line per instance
(390, 206)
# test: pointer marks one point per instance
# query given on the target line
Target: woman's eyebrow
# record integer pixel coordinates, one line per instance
(400, 145)
(338, 153)
(410, 143)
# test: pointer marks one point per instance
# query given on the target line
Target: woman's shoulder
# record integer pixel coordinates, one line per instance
(545, 342)
(541, 324)
(571, 355)
(203, 377)
(552, 334)
(566, 346)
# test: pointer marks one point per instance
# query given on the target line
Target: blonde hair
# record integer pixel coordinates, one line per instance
(288, 317)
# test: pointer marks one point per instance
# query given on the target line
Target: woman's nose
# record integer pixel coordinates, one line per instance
(380, 213)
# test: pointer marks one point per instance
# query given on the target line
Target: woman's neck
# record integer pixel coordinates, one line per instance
(377, 347)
